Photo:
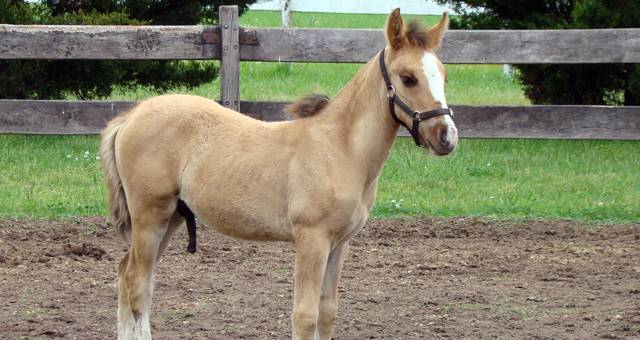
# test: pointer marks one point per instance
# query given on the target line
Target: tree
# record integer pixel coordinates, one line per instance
(593, 84)
(43, 79)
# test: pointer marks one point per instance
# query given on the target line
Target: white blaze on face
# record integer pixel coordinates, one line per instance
(435, 78)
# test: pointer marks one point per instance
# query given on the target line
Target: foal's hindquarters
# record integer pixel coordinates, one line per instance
(243, 178)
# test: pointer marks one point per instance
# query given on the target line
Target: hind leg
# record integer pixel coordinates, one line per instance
(176, 221)
(126, 322)
(149, 227)
(126, 319)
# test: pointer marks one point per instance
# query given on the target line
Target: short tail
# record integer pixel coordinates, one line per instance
(118, 210)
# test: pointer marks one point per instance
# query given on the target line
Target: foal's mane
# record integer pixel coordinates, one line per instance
(417, 34)
(307, 106)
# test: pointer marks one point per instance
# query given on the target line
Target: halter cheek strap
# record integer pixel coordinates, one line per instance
(416, 116)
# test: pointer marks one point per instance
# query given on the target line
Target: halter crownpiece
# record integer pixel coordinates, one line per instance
(416, 116)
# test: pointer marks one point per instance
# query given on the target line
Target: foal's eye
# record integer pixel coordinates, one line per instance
(408, 80)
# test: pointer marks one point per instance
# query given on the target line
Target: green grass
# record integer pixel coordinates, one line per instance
(585, 180)
(468, 84)
(327, 20)
(49, 176)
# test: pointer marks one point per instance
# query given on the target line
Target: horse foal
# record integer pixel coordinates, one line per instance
(311, 180)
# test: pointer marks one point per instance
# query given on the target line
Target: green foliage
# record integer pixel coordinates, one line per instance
(594, 84)
(156, 12)
(44, 79)
(14, 12)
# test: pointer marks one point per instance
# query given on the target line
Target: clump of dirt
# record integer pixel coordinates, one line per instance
(74, 250)
(417, 278)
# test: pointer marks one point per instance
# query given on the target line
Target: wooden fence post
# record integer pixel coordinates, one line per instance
(230, 57)
(285, 9)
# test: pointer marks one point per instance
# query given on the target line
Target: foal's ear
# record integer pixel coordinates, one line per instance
(436, 33)
(395, 30)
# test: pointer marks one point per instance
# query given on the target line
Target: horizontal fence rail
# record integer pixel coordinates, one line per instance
(459, 47)
(538, 121)
(107, 42)
(314, 45)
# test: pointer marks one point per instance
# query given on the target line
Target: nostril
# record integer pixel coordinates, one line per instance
(443, 137)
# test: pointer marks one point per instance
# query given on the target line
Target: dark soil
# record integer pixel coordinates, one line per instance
(427, 278)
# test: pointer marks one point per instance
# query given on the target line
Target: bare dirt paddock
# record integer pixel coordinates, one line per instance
(427, 278)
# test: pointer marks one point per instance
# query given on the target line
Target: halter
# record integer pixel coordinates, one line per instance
(416, 116)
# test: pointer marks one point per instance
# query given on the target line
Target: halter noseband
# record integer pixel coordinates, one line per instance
(416, 116)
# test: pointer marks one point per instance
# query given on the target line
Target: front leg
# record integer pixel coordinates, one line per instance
(329, 293)
(312, 250)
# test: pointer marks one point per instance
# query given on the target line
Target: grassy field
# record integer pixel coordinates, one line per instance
(52, 176)
(586, 180)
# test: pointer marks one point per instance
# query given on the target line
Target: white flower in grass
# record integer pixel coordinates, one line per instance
(600, 204)
(397, 204)
(97, 158)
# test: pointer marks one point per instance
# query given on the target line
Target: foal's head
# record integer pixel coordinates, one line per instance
(418, 78)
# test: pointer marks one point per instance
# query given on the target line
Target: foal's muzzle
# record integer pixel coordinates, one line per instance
(442, 138)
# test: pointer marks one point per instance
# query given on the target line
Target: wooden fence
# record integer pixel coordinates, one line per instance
(231, 44)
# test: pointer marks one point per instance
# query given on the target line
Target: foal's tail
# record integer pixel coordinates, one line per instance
(118, 210)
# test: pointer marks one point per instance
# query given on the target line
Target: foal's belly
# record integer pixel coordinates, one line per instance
(246, 224)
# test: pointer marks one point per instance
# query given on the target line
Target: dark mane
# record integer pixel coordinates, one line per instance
(307, 106)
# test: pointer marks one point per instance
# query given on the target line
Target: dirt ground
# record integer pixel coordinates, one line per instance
(425, 278)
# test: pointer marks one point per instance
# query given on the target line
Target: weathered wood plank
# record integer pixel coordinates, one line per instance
(230, 63)
(58, 116)
(549, 121)
(315, 45)
(107, 42)
(459, 47)
(557, 122)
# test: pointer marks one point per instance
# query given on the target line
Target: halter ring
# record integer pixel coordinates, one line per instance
(391, 91)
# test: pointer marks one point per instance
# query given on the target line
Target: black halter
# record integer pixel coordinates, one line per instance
(415, 115)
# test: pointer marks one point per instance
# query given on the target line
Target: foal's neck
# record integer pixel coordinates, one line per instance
(360, 117)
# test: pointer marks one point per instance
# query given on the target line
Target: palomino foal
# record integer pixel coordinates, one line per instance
(311, 180)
